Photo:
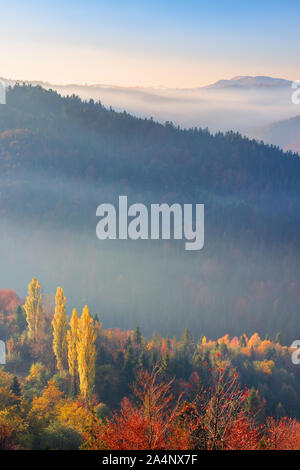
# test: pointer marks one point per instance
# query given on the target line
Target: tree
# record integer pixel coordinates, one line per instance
(242, 435)
(72, 338)
(86, 353)
(34, 309)
(59, 437)
(15, 387)
(282, 434)
(46, 407)
(216, 409)
(137, 335)
(151, 424)
(7, 434)
(20, 319)
(60, 328)
(187, 341)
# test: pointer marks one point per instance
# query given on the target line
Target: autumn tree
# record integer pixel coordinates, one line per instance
(60, 328)
(34, 309)
(45, 408)
(216, 409)
(86, 354)
(242, 434)
(72, 338)
(282, 434)
(152, 423)
(7, 434)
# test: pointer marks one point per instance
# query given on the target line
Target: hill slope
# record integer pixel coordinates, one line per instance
(285, 134)
(61, 157)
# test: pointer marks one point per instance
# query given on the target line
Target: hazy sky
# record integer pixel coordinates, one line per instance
(148, 43)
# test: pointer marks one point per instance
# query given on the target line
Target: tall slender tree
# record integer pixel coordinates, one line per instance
(33, 308)
(72, 338)
(60, 328)
(86, 353)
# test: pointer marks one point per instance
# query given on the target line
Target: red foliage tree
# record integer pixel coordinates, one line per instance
(151, 424)
(283, 434)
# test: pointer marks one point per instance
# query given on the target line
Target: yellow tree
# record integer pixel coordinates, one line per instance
(72, 338)
(86, 353)
(34, 309)
(60, 328)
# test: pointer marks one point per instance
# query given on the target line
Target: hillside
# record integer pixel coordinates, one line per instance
(61, 157)
(285, 134)
(241, 104)
(83, 386)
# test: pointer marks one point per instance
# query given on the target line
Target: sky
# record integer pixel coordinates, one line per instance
(145, 43)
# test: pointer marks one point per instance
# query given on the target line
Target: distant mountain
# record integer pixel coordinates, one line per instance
(252, 82)
(247, 81)
(242, 104)
(285, 134)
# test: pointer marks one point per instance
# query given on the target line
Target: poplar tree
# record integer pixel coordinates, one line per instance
(86, 354)
(33, 308)
(60, 328)
(72, 338)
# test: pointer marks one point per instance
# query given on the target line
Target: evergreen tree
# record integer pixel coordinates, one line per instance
(165, 362)
(15, 387)
(187, 341)
(20, 319)
(252, 401)
(137, 335)
(128, 367)
(168, 341)
(141, 364)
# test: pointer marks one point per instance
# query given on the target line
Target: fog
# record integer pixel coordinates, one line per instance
(157, 284)
(241, 109)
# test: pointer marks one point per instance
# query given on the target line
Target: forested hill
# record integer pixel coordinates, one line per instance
(86, 140)
(61, 157)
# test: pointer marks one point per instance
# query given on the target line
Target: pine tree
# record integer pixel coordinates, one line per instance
(165, 362)
(141, 364)
(252, 401)
(60, 328)
(86, 353)
(187, 341)
(128, 368)
(72, 338)
(15, 387)
(34, 309)
(20, 319)
(137, 335)
(168, 340)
